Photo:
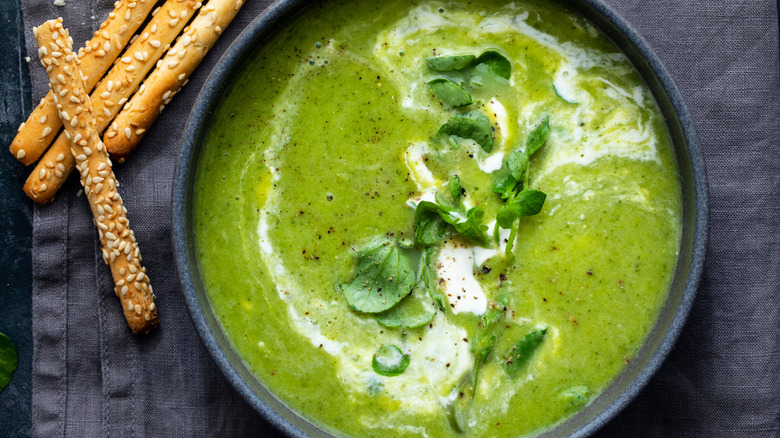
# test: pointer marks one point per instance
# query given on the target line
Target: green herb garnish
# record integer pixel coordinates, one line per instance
(520, 355)
(538, 137)
(413, 311)
(8, 361)
(450, 93)
(498, 63)
(450, 63)
(456, 189)
(472, 125)
(384, 278)
(390, 361)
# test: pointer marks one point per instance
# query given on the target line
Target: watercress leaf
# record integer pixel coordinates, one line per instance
(517, 163)
(506, 216)
(520, 355)
(450, 93)
(472, 125)
(384, 277)
(528, 202)
(498, 63)
(510, 243)
(459, 408)
(456, 189)
(472, 228)
(429, 227)
(504, 183)
(538, 137)
(450, 63)
(8, 361)
(426, 283)
(413, 311)
(389, 361)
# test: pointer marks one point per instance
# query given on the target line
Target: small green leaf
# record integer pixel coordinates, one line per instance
(472, 228)
(538, 137)
(390, 361)
(384, 278)
(456, 190)
(528, 202)
(8, 361)
(413, 311)
(520, 355)
(517, 163)
(426, 283)
(472, 125)
(459, 409)
(504, 183)
(450, 93)
(450, 63)
(429, 227)
(506, 216)
(498, 63)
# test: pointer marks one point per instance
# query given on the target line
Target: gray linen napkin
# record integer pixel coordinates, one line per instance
(91, 377)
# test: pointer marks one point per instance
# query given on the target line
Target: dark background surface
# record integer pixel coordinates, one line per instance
(15, 223)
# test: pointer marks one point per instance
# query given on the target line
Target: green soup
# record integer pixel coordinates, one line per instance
(324, 145)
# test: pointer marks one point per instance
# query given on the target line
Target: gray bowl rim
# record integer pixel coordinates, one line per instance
(245, 43)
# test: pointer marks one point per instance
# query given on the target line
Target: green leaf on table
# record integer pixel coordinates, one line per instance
(451, 62)
(390, 361)
(538, 137)
(498, 63)
(472, 125)
(521, 354)
(450, 93)
(384, 278)
(8, 361)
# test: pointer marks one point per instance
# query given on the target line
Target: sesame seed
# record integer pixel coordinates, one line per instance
(106, 112)
(154, 43)
(46, 131)
(111, 134)
(74, 121)
(43, 119)
(141, 276)
(123, 29)
(154, 28)
(20, 154)
(138, 309)
(129, 304)
(152, 306)
(81, 157)
(118, 44)
(130, 278)
(88, 152)
(43, 51)
(128, 133)
(133, 269)
(44, 187)
(186, 40)
(130, 68)
(127, 59)
(98, 188)
(42, 174)
(218, 30)
(127, 15)
(56, 54)
(182, 54)
(60, 157)
(61, 78)
(83, 143)
(61, 167)
(166, 95)
(139, 56)
(174, 22)
(74, 99)
(121, 102)
(63, 92)
(173, 64)
(182, 76)
(65, 116)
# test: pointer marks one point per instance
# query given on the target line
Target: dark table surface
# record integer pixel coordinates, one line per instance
(16, 224)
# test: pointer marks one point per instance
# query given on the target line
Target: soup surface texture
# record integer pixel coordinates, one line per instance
(324, 147)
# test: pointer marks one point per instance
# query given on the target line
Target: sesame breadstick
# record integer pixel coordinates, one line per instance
(97, 55)
(120, 250)
(112, 92)
(171, 74)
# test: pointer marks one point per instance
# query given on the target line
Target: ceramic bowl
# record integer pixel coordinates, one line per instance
(620, 392)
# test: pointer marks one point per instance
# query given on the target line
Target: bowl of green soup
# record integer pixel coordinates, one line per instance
(439, 218)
